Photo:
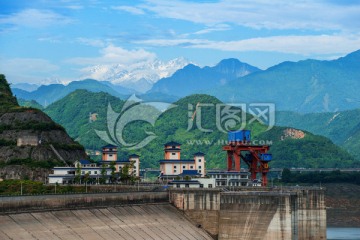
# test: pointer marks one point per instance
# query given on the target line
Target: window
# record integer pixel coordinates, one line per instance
(178, 185)
(191, 167)
(82, 172)
(95, 172)
(210, 185)
(110, 155)
(199, 160)
(187, 185)
(201, 185)
(199, 171)
(173, 153)
(174, 170)
(199, 167)
(183, 167)
(174, 167)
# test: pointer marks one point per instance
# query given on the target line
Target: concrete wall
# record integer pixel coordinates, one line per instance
(256, 214)
(77, 201)
(200, 206)
(311, 214)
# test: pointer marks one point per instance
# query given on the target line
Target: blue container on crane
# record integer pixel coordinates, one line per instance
(239, 136)
(266, 157)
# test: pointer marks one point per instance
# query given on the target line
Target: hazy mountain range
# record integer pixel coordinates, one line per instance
(304, 86)
(192, 79)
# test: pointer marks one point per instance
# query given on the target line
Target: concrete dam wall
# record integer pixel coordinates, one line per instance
(19, 204)
(133, 222)
(256, 214)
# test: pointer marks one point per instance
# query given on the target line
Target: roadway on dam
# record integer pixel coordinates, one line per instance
(145, 221)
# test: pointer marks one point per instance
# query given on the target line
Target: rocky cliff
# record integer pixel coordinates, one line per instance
(30, 142)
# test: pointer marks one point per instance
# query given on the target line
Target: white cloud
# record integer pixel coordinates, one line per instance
(91, 42)
(133, 10)
(276, 14)
(304, 45)
(215, 28)
(115, 55)
(34, 18)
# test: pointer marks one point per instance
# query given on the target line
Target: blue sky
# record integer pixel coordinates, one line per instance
(46, 40)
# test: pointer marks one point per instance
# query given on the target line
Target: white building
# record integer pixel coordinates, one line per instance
(172, 165)
(194, 183)
(94, 172)
(65, 175)
(230, 179)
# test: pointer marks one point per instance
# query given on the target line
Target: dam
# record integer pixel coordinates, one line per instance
(247, 213)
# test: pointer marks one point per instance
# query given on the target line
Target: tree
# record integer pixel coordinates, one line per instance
(86, 177)
(126, 174)
(113, 173)
(103, 174)
(286, 175)
(77, 178)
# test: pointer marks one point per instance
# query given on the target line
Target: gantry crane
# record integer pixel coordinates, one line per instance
(255, 156)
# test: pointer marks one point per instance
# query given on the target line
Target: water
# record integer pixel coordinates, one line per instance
(343, 233)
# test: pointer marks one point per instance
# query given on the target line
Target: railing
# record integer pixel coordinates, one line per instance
(95, 189)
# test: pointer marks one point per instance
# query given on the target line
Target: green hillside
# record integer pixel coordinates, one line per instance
(343, 128)
(73, 111)
(29, 103)
(7, 100)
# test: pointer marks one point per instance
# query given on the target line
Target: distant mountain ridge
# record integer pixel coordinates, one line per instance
(193, 79)
(47, 94)
(304, 86)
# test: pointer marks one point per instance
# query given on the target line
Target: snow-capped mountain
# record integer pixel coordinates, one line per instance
(138, 76)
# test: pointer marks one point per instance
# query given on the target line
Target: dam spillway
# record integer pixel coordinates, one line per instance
(151, 221)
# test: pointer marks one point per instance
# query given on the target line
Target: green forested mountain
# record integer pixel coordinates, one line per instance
(343, 128)
(73, 112)
(29, 103)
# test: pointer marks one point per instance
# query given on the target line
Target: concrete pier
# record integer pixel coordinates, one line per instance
(297, 213)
